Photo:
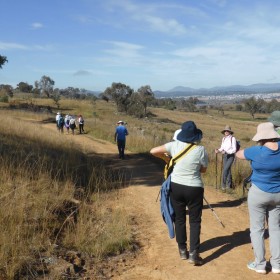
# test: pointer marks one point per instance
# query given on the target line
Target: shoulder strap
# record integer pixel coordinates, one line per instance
(184, 152)
(170, 165)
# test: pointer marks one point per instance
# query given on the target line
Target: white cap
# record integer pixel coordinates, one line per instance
(176, 133)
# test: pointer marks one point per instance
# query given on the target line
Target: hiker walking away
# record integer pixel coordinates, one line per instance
(275, 119)
(67, 122)
(187, 187)
(72, 124)
(60, 123)
(56, 119)
(81, 122)
(120, 138)
(228, 150)
(264, 196)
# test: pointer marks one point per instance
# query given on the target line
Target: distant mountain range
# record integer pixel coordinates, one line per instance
(181, 91)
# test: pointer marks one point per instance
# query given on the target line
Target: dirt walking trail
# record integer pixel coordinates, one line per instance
(226, 251)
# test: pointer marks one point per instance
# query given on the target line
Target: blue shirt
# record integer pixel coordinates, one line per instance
(121, 132)
(265, 164)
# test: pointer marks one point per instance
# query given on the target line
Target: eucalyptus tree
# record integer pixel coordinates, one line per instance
(6, 90)
(120, 94)
(45, 85)
(146, 96)
(3, 60)
(253, 105)
(24, 87)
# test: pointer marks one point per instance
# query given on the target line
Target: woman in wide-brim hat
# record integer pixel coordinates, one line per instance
(227, 129)
(264, 195)
(228, 149)
(187, 186)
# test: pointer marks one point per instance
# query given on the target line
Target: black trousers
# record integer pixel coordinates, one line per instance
(81, 127)
(192, 197)
(121, 147)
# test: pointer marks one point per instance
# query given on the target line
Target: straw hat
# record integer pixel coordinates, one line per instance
(189, 133)
(227, 128)
(120, 122)
(265, 131)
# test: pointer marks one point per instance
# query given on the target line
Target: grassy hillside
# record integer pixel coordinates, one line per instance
(56, 197)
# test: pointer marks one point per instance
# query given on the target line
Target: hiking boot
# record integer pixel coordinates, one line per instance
(195, 259)
(183, 254)
(252, 266)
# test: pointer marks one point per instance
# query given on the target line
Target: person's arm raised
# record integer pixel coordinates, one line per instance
(160, 152)
(240, 154)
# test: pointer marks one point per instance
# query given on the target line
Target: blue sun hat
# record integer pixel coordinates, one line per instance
(189, 133)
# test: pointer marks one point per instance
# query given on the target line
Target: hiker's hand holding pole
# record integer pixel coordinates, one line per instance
(218, 151)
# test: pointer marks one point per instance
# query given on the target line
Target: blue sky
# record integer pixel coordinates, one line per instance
(92, 43)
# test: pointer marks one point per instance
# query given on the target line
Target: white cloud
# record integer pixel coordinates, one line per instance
(124, 50)
(84, 19)
(16, 46)
(36, 25)
(163, 25)
(152, 17)
(11, 46)
(220, 3)
(44, 47)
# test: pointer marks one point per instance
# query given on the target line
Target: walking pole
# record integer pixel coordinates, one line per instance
(214, 212)
(216, 170)
(158, 195)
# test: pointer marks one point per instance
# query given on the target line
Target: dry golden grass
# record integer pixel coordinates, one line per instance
(40, 176)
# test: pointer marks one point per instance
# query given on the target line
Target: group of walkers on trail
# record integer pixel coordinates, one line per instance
(69, 123)
(184, 188)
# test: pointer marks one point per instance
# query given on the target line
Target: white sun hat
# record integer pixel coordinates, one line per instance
(265, 131)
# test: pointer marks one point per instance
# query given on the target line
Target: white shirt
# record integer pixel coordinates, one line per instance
(228, 145)
(187, 169)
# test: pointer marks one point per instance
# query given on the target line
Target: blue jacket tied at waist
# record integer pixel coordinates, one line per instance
(166, 208)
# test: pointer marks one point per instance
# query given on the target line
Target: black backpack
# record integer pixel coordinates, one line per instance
(238, 145)
(60, 121)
